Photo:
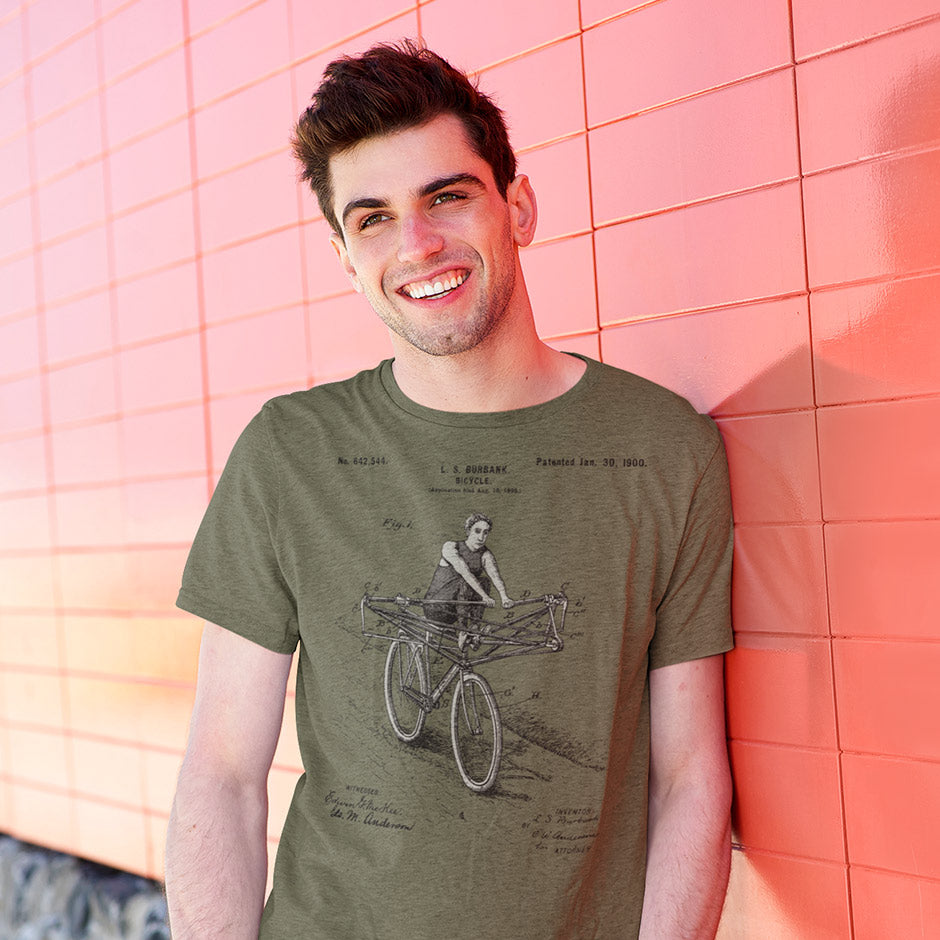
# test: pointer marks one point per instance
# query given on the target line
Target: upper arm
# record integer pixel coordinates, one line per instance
(688, 745)
(239, 706)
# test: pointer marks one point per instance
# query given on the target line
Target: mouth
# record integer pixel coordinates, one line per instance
(435, 287)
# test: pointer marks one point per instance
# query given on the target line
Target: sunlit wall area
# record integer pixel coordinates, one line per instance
(739, 199)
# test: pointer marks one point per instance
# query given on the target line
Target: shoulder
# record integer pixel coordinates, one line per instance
(618, 398)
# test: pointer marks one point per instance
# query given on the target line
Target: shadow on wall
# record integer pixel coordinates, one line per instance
(873, 341)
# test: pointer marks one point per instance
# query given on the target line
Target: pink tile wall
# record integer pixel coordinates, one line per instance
(738, 200)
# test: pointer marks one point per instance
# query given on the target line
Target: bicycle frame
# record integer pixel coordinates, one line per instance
(494, 640)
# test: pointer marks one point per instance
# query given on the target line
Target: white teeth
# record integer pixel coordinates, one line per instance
(431, 289)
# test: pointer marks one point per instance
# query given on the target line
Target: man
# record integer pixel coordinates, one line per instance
(610, 817)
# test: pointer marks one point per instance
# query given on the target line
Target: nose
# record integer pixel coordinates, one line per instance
(418, 239)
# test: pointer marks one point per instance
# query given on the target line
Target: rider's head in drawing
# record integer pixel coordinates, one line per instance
(460, 586)
(478, 528)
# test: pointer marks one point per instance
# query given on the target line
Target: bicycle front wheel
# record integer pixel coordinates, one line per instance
(406, 688)
(476, 731)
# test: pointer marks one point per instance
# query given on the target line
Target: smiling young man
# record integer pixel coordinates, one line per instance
(604, 810)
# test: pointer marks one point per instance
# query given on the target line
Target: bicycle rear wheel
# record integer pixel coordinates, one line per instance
(476, 731)
(406, 688)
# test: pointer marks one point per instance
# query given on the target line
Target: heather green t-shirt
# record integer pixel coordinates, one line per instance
(613, 495)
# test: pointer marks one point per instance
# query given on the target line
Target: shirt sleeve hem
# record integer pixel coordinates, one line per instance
(268, 635)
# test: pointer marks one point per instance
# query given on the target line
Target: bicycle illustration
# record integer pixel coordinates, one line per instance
(472, 641)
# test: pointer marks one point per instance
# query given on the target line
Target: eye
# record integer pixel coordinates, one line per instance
(448, 197)
(370, 220)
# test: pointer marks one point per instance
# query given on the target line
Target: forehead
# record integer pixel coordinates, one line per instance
(398, 164)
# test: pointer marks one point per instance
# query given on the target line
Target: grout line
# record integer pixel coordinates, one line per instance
(198, 252)
(819, 470)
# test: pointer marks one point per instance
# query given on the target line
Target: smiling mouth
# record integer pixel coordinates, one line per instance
(436, 287)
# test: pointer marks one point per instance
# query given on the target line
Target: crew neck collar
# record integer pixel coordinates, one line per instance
(483, 419)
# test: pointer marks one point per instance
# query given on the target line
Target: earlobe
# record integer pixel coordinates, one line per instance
(339, 246)
(524, 210)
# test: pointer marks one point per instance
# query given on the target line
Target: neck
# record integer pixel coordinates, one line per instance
(512, 368)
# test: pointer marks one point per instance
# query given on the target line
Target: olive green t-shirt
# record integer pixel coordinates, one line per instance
(611, 501)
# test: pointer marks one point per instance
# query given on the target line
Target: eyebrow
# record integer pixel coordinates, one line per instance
(457, 179)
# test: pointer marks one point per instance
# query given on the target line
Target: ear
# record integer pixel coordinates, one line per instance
(339, 246)
(523, 210)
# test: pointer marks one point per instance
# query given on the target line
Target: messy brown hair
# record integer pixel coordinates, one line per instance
(390, 88)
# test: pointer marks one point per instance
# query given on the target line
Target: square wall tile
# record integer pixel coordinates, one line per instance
(147, 99)
(876, 340)
(164, 511)
(779, 583)
(779, 690)
(774, 467)
(23, 464)
(824, 24)
(248, 201)
(325, 276)
(903, 600)
(256, 121)
(24, 522)
(19, 340)
(108, 771)
(744, 248)
(82, 391)
(165, 442)
(559, 175)
(150, 167)
(33, 699)
(89, 517)
(540, 94)
(114, 835)
(218, 56)
(43, 817)
(234, 284)
(75, 266)
(138, 32)
(165, 372)
(890, 807)
(16, 226)
(157, 304)
(496, 30)
(786, 801)
(731, 139)
(49, 24)
(158, 235)
(560, 281)
(315, 25)
(78, 60)
(889, 905)
(71, 202)
(263, 351)
(29, 640)
(733, 361)
(889, 698)
(709, 45)
(21, 405)
(88, 454)
(874, 219)
(18, 285)
(78, 328)
(874, 98)
(880, 461)
(345, 336)
(80, 125)
(38, 757)
(777, 898)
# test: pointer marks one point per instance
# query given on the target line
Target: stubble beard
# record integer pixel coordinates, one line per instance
(464, 334)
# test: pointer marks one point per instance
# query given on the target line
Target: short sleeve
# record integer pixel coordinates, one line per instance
(694, 617)
(232, 576)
